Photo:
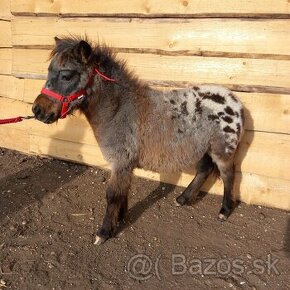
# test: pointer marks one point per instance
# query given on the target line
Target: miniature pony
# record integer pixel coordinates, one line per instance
(137, 126)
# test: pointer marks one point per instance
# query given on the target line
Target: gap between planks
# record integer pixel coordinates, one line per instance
(178, 52)
(178, 84)
(159, 16)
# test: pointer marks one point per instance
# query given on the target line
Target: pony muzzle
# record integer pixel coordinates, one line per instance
(46, 110)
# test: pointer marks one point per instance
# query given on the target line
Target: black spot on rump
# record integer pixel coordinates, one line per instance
(214, 97)
(172, 102)
(221, 113)
(228, 129)
(213, 117)
(180, 131)
(229, 111)
(238, 129)
(184, 108)
(227, 119)
(196, 88)
(198, 108)
(243, 116)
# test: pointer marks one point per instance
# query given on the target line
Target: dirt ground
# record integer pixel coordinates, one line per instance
(50, 210)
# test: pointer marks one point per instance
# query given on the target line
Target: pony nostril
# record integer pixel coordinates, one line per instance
(50, 117)
(37, 111)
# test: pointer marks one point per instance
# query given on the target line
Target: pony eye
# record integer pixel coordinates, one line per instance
(67, 75)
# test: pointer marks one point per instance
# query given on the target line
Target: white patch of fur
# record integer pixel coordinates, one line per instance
(191, 103)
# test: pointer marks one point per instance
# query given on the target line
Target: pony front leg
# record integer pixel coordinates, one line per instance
(117, 203)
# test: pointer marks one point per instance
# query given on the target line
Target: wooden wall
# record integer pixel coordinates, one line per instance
(244, 45)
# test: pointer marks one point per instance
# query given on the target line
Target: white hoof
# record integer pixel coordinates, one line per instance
(98, 241)
(176, 203)
(222, 217)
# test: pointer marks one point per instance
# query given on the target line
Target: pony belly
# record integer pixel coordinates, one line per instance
(169, 160)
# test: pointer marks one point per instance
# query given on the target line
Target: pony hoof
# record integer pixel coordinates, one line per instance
(222, 217)
(99, 240)
(176, 203)
(179, 201)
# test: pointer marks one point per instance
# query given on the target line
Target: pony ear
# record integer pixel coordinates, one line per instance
(57, 40)
(84, 51)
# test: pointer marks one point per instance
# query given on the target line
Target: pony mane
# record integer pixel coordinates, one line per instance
(102, 56)
(64, 48)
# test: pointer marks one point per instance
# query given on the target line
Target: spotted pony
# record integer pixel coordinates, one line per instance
(138, 126)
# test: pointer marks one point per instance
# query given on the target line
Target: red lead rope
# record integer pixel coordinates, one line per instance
(14, 120)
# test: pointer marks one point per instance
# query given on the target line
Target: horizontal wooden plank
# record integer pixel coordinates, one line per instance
(151, 8)
(226, 71)
(20, 89)
(250, 188)
(5, 9)
(5, 61)
(265, 154)
(11, 87)
(195, 36)
(5, 34)
(260, 153)
(264, 112)
(12, 108)
(13, 138)
(32, 88)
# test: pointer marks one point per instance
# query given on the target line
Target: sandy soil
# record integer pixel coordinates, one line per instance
(50, 210)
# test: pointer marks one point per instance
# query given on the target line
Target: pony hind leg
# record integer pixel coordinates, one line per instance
(227, 173)
(123, 208)
(204, 168)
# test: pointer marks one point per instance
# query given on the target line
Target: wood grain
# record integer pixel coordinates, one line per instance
(15, 139)
(11, 87)
(5, 34)
(5, 13)
(152, 8)
(248, 72)
(231, 37)
(5, 61)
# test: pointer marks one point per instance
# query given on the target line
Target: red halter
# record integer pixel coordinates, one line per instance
(66, 100)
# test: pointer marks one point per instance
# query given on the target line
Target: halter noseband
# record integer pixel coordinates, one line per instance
(67, 100)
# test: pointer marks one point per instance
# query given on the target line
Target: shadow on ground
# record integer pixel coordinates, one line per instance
(27, 186)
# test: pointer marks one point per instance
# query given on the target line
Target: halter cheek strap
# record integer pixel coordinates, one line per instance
(64, 100)
(67, 100)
